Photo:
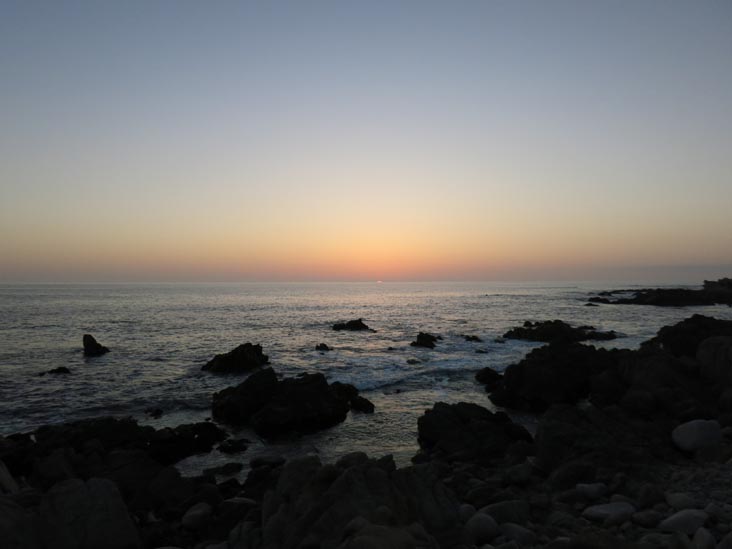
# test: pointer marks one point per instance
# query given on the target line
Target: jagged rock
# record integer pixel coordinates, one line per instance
(361, 404)
(352, 326)
(322, 347)
(715, 359)
(684, 338)
(555, 373)
(244, 358)
(696, 434)
(86, 515)
(92, 347)
(557, 331)
(467, 432)
(425, 340)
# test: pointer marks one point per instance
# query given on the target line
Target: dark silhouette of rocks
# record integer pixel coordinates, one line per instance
(473, 339)
(92, 347)
(244, 358)
(488, 377)
(557, 330)
(322, 347)
(275, 407)
(683, 338)
(352, 326)
(713, 293)
(55, 371)
(425, 340)
(234, 445)
(467, 432)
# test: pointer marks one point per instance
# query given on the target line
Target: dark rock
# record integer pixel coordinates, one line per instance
(425, 340)
(488, 377)
(59, 370)
(557, 331)
(234, 445)
(684, 338)
(713, 292)
(226, 469)
(555, 373)
(92, 347)
(236, 405)
(361, 404)
(322, 347)
(714, 355)
(413, 361)
(352, 326)
(473, 338)
(154, 413)
(467, 432)
(244, 358)
(86, 515)
(169, 446)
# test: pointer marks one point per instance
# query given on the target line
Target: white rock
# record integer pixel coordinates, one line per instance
(615, 512)
(197, 515)
(687, 521)
(696, 434)
(481, 528)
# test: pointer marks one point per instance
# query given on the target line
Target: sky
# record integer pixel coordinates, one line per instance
(491, 140)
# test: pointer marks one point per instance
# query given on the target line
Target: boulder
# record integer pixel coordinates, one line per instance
(612, 513)
(696, 434)
(715, 360)
(555, 373)
(686, 521)
(684, 338)
(197, 516)
(556, 331)
(244, 358)
(92, 347)
(481, 528)
(467, 432)
(236, 405)
(18, 526)
(425, 340)
(86, 515)
(352, 326)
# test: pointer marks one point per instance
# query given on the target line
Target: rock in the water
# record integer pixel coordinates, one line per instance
(322, 347)
(425, 340)
(244, 358)
(351, 325)
(473, 339)
(236, 405)
(467, 432)
(86, 515)
(361, 404)
(557, 331)
(488, 377)
(59, 370)
(612, 513)
(696, 434)
(686, 521)
(92, 347)
(481, 528)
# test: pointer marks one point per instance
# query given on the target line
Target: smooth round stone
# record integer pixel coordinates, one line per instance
(696, 434)
(481, 528)
(615, 512)
(687, 521)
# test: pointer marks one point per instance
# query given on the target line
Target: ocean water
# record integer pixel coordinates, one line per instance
(161, 335)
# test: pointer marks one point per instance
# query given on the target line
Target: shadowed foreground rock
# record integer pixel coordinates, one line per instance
(244, 358)
(92, 347)
(275, 407)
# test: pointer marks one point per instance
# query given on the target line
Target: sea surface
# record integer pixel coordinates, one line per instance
(160, 336)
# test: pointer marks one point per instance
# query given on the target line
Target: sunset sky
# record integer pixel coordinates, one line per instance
(207, 141)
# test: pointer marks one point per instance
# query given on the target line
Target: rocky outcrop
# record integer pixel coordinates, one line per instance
(467, 432)
(713, 292)
(684, 338)
(714, 355)
(274, 407)
(356, 503)
(425, 340)
(92, 347)
(244, 358)
(555, 373)
(557, 331)
(352, 326)
(322, 347)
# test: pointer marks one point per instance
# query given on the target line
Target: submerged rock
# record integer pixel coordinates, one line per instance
(425, 340)
(556, 331)
(244, 358)
(473, 339)
(92, 347)
(59, 370)
(352, 326)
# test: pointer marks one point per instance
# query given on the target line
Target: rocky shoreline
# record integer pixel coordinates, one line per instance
(632, 449)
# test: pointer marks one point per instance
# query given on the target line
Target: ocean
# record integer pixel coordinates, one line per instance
(160, 335)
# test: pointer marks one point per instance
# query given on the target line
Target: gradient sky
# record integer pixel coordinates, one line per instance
(365, 140)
